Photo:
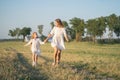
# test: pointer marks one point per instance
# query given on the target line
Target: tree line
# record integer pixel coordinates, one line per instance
(25, 31)
(92, 27)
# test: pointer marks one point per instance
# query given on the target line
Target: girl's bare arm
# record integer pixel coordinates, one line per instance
(28, 43)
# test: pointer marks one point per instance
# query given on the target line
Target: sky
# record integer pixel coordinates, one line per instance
(31, 13)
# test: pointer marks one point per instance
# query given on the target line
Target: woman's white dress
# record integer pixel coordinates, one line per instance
(58, 37)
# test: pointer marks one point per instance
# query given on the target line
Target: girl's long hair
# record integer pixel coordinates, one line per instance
(59, 22)
(32, 36)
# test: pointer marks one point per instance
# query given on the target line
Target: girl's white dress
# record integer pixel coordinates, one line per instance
(35, 45)
(58, 37)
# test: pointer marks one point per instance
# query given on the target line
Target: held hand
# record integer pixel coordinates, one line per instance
(68, 41)
(66, 37)
(42, 43)
(45, 40)
(49, 35)
(26, 45)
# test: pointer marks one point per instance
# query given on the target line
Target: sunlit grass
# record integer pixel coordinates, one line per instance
(80, 61)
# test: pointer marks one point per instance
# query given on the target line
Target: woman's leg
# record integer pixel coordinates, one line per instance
(55, 55)
(58, 56)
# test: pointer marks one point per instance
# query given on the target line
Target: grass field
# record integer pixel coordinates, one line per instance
(80, 61)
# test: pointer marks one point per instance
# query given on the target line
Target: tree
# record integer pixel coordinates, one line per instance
(117, 27)
(65, 24)
(52, 24)
(40, 29)
(12, 33)
(25, 31)
(78, 25)
(91, 28)
(112, 20)
(70, 31)
(17, 32)
(101, 26)
(96, 27)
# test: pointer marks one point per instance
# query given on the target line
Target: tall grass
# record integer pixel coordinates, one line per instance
(80, 61)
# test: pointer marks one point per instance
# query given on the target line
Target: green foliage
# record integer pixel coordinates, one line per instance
(43, 37)
(112, 20)
(52, 24)
(65, 24)
(70, 31)
(101, 26)
(96, 27)
(25, 31)
(108, 41)
(78, 25)
(117, 27)
(40, 29)
(14, 33)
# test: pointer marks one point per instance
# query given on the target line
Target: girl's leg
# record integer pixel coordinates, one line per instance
(55, 55)
(36, 58)
(33, 59)
(58, 56)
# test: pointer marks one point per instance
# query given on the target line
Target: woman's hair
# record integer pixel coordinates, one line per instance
(59, 22)
(32, 36)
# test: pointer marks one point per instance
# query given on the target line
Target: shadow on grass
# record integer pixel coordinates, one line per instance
(90, 73)
(17, 67)
(27, 71)
(47, 60)
(14, 66)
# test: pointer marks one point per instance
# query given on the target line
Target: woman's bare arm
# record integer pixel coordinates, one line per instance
(66, 37)
(49, 35)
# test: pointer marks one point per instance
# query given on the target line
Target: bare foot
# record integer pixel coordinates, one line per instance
(53, 64)
(58, 63)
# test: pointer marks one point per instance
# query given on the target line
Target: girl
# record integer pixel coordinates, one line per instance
(35, 47)
(58, 33)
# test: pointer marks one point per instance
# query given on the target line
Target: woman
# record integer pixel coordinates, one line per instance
(58, 33)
